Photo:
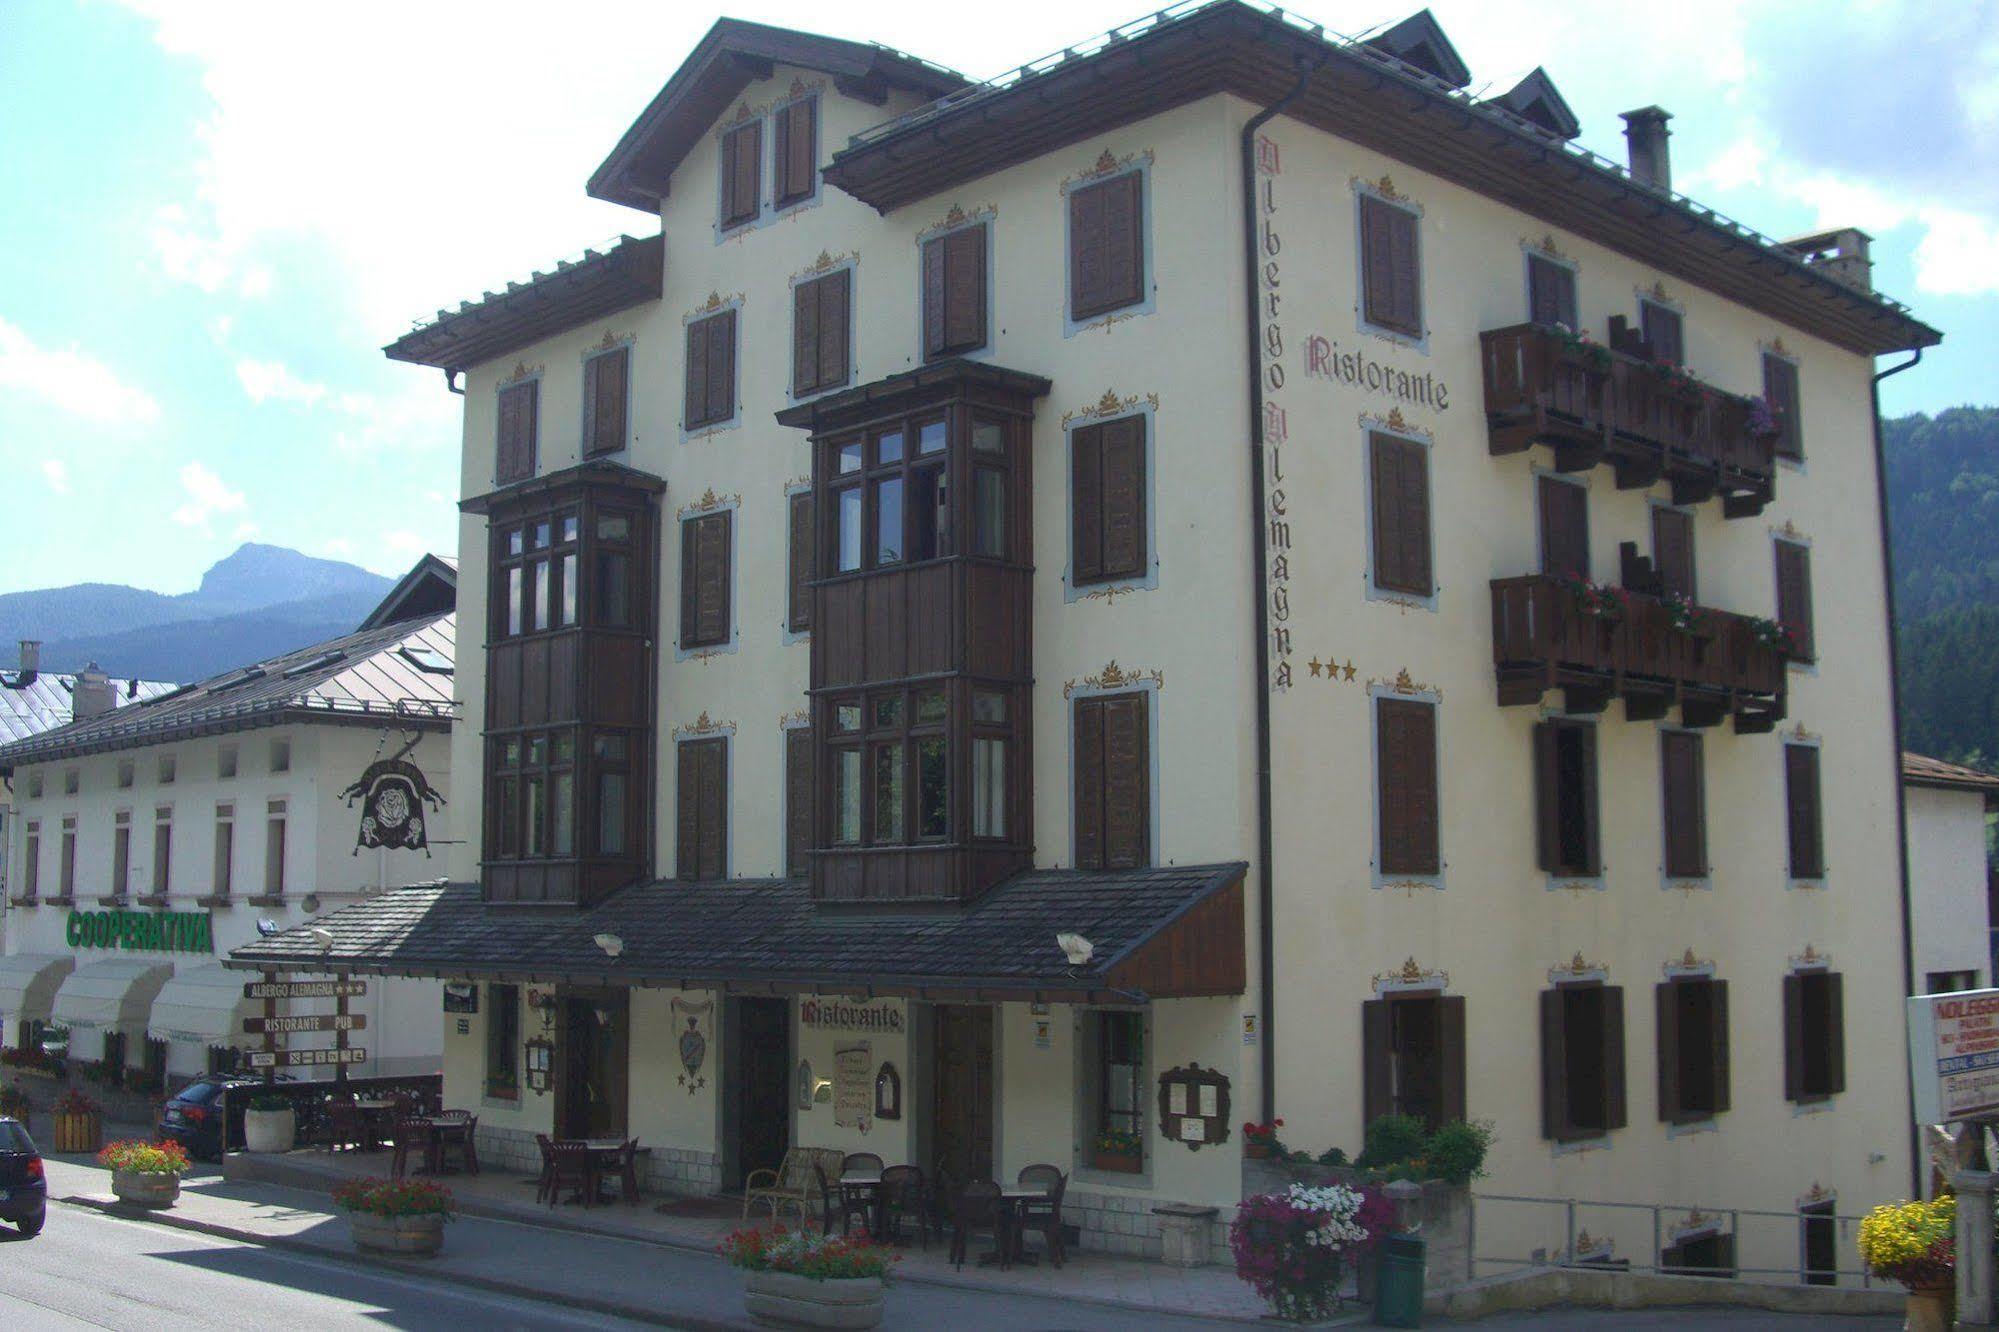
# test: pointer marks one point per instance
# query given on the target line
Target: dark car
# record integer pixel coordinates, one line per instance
(24, 1189)
(204, 1117)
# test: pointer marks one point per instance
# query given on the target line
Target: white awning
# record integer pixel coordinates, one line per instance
(28, 984)
(204, 1004)
(115, 993)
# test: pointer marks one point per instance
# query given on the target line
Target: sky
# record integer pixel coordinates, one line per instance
(214, 213)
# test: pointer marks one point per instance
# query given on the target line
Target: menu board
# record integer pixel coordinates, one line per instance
(853, 1085)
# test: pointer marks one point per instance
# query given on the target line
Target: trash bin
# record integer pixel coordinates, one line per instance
(1398, 1298)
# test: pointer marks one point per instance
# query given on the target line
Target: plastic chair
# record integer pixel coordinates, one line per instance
(977, 1208)
(346, 1127)
(569, 1164)
(1044, 1216)
(413, 1135)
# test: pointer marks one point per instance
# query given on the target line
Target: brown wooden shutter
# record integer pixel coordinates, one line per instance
(1835, 1026)
(795, 151)
(712, 587)
(1127, 783)
(1616, 1109)
(800, 611)
(1801, 802)
(1663, 330)
(1086, 499)
(835, 292)
(604, 381)
(514, 454)
(1106, 246)
(1391, 272)
(1377, 1097)
(1592, 809)
(1401, 515)
(797, 801)
(1718, 1042)
(1124, 497)
(1780, 390)
(1554, 1066)
(722, 366)
(696, 406)
(965, 289)
(1547, 798)
(1087, 283)
(804, 338)
(1406, 733)
(1665, 997)
(1673, 551)
(1089, 785)
(1685, 798)
(1794, 1037)
(713, 846)
(1407, 273)
(935, 341)
(1794, 595)
(1551, 292)
(1451, 1057)
(742, 172)
(687, 812)
(1564, 528)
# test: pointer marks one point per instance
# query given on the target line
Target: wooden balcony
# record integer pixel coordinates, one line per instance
(1543, 638)
(1599, 406)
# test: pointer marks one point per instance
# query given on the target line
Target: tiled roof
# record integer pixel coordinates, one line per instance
(364, 676)
(1922, 770)
(764, 930)
(42, 703)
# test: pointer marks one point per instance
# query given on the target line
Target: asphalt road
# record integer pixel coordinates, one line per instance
(87, 1270)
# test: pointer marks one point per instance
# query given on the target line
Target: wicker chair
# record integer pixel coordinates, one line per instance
(803, 1171)
(977, 1208)
(1044, 1216)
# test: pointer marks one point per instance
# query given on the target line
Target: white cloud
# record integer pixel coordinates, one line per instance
(206, 497)
(71, 381)
(338, 548)
(268, 381)
(56, 472)
(1957, 253)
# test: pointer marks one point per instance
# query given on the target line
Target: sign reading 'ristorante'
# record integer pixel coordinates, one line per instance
(142, 931)
(834, 1015)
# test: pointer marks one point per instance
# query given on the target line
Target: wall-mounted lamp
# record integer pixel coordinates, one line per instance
(611, 944)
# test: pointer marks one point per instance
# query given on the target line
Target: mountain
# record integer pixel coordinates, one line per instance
(255, 603)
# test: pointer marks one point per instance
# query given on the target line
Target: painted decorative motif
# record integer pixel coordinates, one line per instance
(1112, 405)
(826, 261)
(1114, 676)
(1810, 960)
(522, 370)
(709, 500)
(1194, 1106)
(1385, 188)
(1411, 976)
(716, 300)
(1108, 163)
(1334, 670)
(1688, 961)
(1577, 968)
(791, 721)
(393, 793)
(612, 338)
(1402, 684)
(693, 1043)
(704, 725)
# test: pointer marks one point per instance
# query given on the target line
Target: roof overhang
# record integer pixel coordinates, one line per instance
(1937, 775)
(912, 389)
(567, 481)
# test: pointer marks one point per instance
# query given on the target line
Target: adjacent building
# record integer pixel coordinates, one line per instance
(1950, 927)
(152, 839)
(1216, 575)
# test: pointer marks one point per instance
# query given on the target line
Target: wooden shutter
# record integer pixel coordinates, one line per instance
(934, 341)
(965, 289)
(797, 801)
(1406, 765)
(1089, 784)
(1718, 1042)
(695, 409)
(703, 800)
(1801, 803)
(1106, 246)
(687, 812)
(1564, 528)
(1107, 496)
(835, 292)
(704, 580)
(1794, 595)
(1780, 390)
(1391, 275)
(1835, 1027)
(1665, 997)
(1401, 487)
(1086, 504)
(742, 172)
(722, 366)
(1127, 782)
(1616, 1110)
(799, 616)
(795, 154)
(1794, 1037)
(1555, 1118)
(1592, 813)
(1663, 332)
(1451, 1057)
(1377, 1097)
(1547, 798)
(604, 380)
(804, 338)
(514, 453)
(1685, 801)
(1551, 292)
(1673, 551)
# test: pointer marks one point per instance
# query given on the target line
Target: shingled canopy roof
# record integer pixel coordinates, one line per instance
(1158, 933)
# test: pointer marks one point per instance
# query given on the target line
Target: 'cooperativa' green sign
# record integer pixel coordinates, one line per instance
(142, 931)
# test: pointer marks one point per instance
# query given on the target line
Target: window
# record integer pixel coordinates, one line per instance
(711, 370)
(1406, 782)
(1673, 551)
(1794, 595)
(67, 883)
(1569, 832)
(1802, 811)
(125, 774)
(703, 794)
(705, 579)
(1685, 787)
(1119, 1073)
(1113, 782)
(1551, 292)
(1564, 527)
(534, 794)
(225, 762)
(167, 769)
(503, 1042)
(1413, 1057)
(281, 756)
(891, 500)
(819, 325)
(1814, 1036)
(514, 453)
(1106, 245)
(1693, 1048)
(163, 845)
(121, 853)
(795, 161)
(797, 801)
(274, 849)
(847, 795)
(31, 862)
(798, 555)
(742, 174)
(954, 292)
(225, 847)
(1780, 390)
(606, 378)
(72, 781)
(1107, 501)
(1950, 982)
(1391, 268)
(1399, 478)
(534, 575)
(611, 604)
(1582, 1061)
(611, 756)
(1663, 331)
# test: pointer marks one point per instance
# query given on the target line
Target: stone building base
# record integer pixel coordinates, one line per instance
(677, 1170)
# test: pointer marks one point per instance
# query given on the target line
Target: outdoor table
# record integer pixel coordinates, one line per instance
(604, 1157)
(1010, 1237)
(447, 1128)
(864, 1187)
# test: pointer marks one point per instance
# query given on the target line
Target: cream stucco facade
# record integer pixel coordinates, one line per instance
(1950, 932)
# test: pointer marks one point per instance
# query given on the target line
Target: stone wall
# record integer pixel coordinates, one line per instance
(663, 1170)
(1125, 1225)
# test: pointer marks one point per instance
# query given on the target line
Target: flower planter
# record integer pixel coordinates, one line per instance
(1930, 1309)
(142, 1188)
(79, 1131)
(419, 1236)
(785, 1299)
(1122, 1162)
(1254, 1150)
(269, 1130)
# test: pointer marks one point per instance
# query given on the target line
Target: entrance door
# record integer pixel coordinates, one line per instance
(1821, 1239)
(762, 1088)
(594, 1060)
(961, 1104)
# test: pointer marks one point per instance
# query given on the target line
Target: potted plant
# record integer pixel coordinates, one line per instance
(1578, 346)
(1116, 1149)
(79, 1122)
(403, 1218)
(269, 1124)
(1259, 1141)
(14, 1104)
(1774, 634)
(1294, 1247)
(145, 1174)
(810, 1280)
(1915, 1243)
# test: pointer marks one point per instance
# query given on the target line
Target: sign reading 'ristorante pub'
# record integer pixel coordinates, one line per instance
(142, 931)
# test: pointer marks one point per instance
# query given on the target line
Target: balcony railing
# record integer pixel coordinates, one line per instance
(1650, 422)
(1548, 634)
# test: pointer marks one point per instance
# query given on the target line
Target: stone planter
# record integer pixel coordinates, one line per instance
(142, 1188)
(79, 1131)
(1930, 1309)
(1122, 1162)
(784, 1299)
(269, 1130)
(420, 1236)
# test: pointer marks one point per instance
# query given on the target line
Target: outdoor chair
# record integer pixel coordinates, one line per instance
(413, 1135)
(543, 1185)
(1044, 1216)
(977, 1207)
(903, 1195)
(854, 1163)
(628, 1172)
(570, 1166)
(346, 1127)
(792, 1183)
(464, 1127)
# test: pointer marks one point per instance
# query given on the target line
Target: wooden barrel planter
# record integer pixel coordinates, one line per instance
(145, 1188)
(78, 1131)
(420, 1236)
(790, 1300)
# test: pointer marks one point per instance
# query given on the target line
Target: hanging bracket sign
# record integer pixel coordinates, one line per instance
(1954, 1055)
(305, 1058)
(275, 1026)
(335, 989)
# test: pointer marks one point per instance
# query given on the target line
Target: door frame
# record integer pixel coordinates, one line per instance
(564, 1053)
(923, 1036)
(735, 1088)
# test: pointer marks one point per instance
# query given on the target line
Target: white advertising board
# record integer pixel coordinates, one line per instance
(1954, 1055)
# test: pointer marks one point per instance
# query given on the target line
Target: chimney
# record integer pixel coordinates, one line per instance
(31, 659)
(93, 696)
(1841, 253)
(1645, 129)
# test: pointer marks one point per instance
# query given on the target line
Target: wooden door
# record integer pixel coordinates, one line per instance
(593, 1064)
(961, 1111)
(763, 1090)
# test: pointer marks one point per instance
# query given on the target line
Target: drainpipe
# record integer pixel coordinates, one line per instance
(1895, 720)
(1259, 582)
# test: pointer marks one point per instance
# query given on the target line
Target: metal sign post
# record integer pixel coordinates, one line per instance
(270, 987)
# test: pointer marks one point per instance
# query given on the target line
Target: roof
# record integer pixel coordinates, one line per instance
(33, 703)
(429, 588)
(640, 169)
(1536, 100)
(1922, 770)
(592, 472)
(833, 409)
(575, 292)
(769, 933)
(1369, 96)
(369, 676)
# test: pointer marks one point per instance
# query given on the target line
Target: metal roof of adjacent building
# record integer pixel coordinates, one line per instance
(34, 702)
(1922, 770)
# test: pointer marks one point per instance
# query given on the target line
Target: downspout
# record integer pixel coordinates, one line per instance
(1259, 582)
(1895, 722)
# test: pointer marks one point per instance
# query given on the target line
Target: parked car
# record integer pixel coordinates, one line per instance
(203, 1117)
(24, 1189)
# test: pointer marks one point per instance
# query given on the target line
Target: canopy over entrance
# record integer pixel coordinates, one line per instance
(203, 1004)
(28, 984)
(116, 993)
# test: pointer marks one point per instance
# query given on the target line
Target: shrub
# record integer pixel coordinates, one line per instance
(146, 1158)
(268, 1100)
(1291, 1247)
(13, 1103)
(74, 1102)
(821, 1257)
(1456, 1152)
(1393, 1139)
(395, 1197)
(1912, 1242)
